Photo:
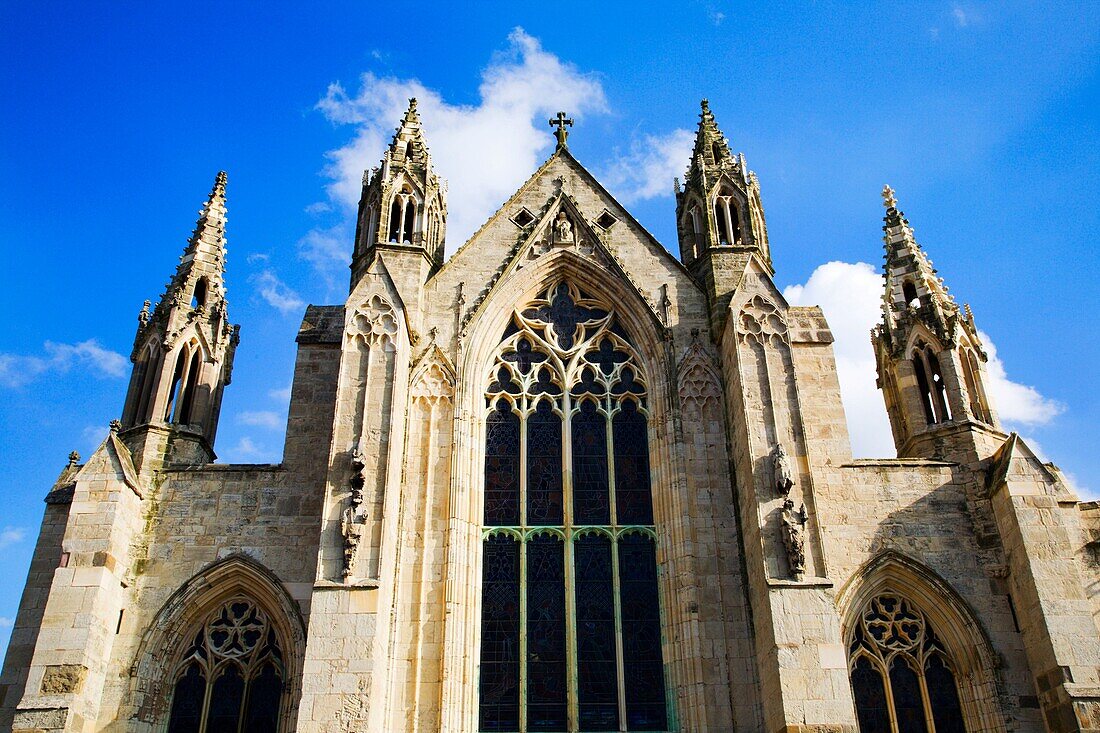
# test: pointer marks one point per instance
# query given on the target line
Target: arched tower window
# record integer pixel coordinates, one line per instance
(199, 296)
(569, 584)
(903, 679)
(371, 225)
(975, 389)
(909, 293)
(726, 218)
(230, 677)
(403, 216)
(179, 407)
(933, 391)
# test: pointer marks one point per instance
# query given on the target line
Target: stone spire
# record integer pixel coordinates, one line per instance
(404, 202)
(712, 153)
(929, 356)
(911, 281)
(718, 210)
(183, 350)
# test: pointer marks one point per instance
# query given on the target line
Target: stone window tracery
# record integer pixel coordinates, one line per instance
(933, 391)
(230, 678)
(403, 216)
(569, 585)
(903, 678)
(727, 219)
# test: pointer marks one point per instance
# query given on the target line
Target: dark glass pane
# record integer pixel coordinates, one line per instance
(606, 356)
(187, 701)
(499, 685)
(644, 672)
(546, 702)
(598, 685)
(225, 701)
(907, 699)
(502, 467)
(544, 498)
(591, 503)
(871, 708)
(264, 695)
(632, 500)
(943, 695)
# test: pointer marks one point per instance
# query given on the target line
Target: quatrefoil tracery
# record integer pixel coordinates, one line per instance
(565, 337)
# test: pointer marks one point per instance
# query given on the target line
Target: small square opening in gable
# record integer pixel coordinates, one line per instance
(523, 218)
(606, 220)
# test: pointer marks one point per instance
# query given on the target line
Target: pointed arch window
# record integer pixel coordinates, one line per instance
(909, 294)
(198, 297)
(975, 389)
(569, 584)
(146, 373)
(230, 678)
(903, 679)
(403, 216)
(180, 405)
(930, 384)
(727, 218)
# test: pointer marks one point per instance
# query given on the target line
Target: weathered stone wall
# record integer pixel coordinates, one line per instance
(27, 627)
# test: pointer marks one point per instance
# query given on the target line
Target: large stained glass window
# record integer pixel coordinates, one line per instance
(902, 677)
(230, 678)
(571, 633)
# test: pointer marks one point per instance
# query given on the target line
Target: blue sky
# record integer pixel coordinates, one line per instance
(983, 116)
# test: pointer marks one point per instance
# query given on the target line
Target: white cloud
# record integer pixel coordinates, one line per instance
(1015, 402)
(248, 451)
(17, 370)
(318, 207)
(11, 536)
(717, 17)
(329, 251)
(255, 257)
(275, 292)
(262, 419)
(6, 622)
(520, 89)
(93, 435)
(280, 395)
(850, 295)
(648, 169)
(962, 16)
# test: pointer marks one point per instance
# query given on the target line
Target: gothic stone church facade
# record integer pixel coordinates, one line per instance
(561, 481)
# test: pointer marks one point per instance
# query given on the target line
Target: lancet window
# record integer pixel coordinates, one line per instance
(933, 391)
(403, 216)
(230, 678)
(903, 678)
(727, 219)
(569, 585)
(179, 407)
(974, 387)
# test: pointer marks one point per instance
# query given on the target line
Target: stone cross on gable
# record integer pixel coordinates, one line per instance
(560, 122)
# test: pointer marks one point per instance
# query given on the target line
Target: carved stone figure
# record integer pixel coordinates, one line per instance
(563, 229)
(351, 523)
(794, 541)
(782, 470)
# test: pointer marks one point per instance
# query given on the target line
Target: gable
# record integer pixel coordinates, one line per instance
(623, 247)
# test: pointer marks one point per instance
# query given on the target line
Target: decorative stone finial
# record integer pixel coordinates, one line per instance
(705, 105)
(143, 316)
(74, 458)
(560, 122)
(888, 199)
(116, 425)
(412, 104)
